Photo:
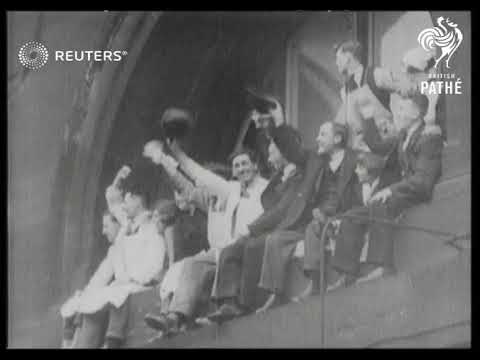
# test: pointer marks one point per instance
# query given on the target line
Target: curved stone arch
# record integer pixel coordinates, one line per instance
(104, 99)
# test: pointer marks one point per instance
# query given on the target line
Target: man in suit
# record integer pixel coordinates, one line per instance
(328, 188)
(419, 155)
(239, 264)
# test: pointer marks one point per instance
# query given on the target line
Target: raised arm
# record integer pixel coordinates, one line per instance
(154, 151)
(215, 184)
(372, 138)
(114, 196)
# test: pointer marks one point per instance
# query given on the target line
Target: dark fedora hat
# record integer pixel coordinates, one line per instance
(176, 122)
(289, 142)
(260, 101)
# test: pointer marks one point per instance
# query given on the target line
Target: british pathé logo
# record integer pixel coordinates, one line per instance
(33, 55)
(447, 36)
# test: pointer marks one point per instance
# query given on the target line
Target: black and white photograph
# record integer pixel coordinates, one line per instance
(239, 179)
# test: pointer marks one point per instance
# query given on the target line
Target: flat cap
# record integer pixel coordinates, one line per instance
(289, 142)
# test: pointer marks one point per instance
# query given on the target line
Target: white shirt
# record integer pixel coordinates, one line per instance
(248, 208)
(336, 160)
(229, 200)
(368, 189)
(132, 260)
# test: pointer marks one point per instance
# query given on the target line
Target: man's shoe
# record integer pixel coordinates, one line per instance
(273, 301)
(340, 282)
(372, 275)
(67, 343)
(203, 321)
(311, 290)
(113, 343)
(158, 322)
(175, 324)
(225, 313)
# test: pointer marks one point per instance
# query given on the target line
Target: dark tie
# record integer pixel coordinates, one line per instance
(244, 192)
(350, 84)
(234, 221)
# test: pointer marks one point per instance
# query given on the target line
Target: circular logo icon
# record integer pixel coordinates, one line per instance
(33, 55)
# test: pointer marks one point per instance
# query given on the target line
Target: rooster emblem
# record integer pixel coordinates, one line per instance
(448, 40)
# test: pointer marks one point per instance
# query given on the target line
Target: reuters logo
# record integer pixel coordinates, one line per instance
(33, 55)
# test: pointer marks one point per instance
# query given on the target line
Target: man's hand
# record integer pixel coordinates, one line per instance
(114, 190)
(277, 115)
(154, 150)
(243, 233)
(432, 129)
(261, 121)
(318, 215)
(382, 196)
(123, 173)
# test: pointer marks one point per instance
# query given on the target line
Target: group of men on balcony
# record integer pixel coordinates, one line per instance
(368, 165)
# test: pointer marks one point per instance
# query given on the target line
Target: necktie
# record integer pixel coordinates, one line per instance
(350, 84)
(234, 222)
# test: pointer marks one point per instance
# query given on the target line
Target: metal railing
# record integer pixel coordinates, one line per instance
(452, 237)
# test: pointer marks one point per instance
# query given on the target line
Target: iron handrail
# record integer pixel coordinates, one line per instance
(450, 242)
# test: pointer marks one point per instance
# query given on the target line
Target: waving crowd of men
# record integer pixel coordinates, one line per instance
(243, 226)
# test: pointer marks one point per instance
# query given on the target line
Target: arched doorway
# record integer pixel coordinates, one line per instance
(199, 60)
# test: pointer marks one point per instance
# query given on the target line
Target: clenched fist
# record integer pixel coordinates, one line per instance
(154, 150)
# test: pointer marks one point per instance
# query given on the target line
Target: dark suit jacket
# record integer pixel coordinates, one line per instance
(303, 200)
(345, 190)
(420, 163)
(258, 140)
(276, 199)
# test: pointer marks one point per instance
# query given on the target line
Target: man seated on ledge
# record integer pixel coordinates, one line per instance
(232, 205)
(372, 177)
(134, 261)
(419, 155)
(238, 273)
(327, 186)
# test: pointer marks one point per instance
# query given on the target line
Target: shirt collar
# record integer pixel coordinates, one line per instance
(410, 132)
(336, 160)
(288, 171)
(414, 127)
(244, 192)
(139, 220)
(374, 183)
(357, 75)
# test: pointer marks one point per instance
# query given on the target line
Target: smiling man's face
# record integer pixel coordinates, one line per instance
(243, 168)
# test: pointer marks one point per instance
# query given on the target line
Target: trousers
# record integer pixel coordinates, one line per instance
(279, 249)
(107, 322)
(238, 273)
(352, 235)
(195, 284)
